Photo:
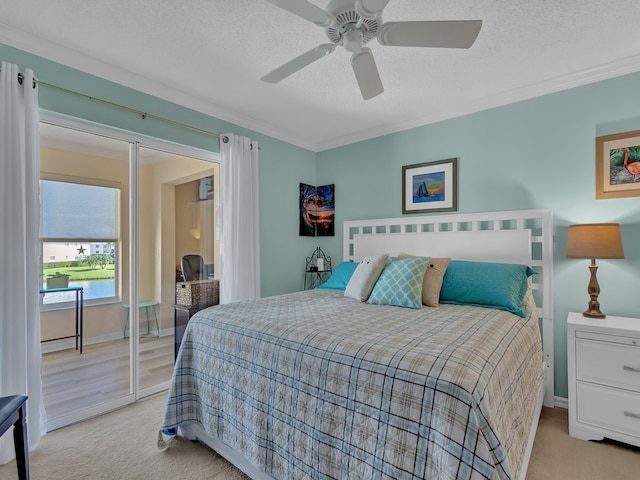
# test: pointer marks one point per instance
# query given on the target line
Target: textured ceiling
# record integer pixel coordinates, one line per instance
(209, 55)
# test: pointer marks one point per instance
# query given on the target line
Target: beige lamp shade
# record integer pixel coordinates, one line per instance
(595, 240)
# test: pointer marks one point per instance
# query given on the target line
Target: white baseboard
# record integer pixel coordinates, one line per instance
(561, 402)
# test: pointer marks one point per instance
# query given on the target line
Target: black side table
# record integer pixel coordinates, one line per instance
(181, 317)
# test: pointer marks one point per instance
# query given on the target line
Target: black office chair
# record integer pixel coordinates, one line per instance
(193, 268)
(13, 413)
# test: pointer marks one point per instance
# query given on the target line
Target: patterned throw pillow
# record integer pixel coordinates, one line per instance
(400, 283)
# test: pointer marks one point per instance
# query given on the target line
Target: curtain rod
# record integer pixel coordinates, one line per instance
(144, 115)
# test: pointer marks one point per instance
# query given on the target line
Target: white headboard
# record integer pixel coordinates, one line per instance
(518, 236)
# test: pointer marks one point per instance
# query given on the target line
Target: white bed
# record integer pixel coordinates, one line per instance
(519, 237)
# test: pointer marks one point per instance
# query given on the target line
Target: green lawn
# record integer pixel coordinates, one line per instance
(82, 273)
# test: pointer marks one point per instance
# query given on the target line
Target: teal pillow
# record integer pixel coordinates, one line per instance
(340, 277)
(400, 283)
(484, 284)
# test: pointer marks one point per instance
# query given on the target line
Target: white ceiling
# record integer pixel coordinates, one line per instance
(209, 55)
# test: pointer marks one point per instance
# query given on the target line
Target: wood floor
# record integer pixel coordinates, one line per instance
(72, 382)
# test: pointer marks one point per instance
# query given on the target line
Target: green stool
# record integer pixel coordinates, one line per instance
(146, 305)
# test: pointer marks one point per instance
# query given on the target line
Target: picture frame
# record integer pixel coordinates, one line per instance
(317, 210)
(430, 187)
(618, 165)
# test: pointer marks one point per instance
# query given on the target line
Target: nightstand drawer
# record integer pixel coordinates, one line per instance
(608, 363)
(612, 409)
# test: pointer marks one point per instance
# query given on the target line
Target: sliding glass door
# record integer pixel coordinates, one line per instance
(85, 266)
(114, 209)
(176, 217)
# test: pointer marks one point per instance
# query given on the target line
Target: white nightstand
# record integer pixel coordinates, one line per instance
(604, 378)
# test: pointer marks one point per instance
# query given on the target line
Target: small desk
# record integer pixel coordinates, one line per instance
(79, 311)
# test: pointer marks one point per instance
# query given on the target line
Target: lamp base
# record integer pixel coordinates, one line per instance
(593, 314)
(594, 291)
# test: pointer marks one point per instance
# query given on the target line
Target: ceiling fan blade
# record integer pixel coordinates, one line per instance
(298, 63)
(364, 66)
(371, 7)
(304, 9)
(442, 34)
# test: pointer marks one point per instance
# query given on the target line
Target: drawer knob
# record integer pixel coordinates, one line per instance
(631, 369)
(632, 415)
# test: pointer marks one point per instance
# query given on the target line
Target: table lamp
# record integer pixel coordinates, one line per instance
(594, 240)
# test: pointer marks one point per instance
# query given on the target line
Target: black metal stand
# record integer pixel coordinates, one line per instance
(317, 269)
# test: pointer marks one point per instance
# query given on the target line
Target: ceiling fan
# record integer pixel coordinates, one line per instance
(353, 23)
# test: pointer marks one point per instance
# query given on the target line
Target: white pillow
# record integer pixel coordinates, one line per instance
(365, 277)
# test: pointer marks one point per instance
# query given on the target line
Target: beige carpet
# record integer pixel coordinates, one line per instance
(122, 445)
(556, 455)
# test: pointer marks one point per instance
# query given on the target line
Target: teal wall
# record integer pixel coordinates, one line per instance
(533, 154)
(282, 166)
(538, 153)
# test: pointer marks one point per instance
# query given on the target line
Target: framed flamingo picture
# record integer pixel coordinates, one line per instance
(618, 165)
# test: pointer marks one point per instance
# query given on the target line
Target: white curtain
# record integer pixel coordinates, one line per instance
(239, 224)
(20, 354)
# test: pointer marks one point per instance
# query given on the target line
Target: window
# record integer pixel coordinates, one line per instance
(80, 234)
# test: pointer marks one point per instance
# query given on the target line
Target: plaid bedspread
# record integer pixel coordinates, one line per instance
(316, 385)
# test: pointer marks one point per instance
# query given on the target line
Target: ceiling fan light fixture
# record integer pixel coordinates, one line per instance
(352, 40)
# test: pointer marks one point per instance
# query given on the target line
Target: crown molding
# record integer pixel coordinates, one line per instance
(74, 59)
(606, 71)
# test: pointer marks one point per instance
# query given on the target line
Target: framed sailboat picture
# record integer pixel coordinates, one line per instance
(430, 187)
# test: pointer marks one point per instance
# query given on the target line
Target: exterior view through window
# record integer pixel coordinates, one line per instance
(80, 238)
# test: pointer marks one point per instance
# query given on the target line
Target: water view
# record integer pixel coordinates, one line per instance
(91, 289)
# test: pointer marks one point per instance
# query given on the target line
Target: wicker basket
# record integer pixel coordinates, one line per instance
(197, 292)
